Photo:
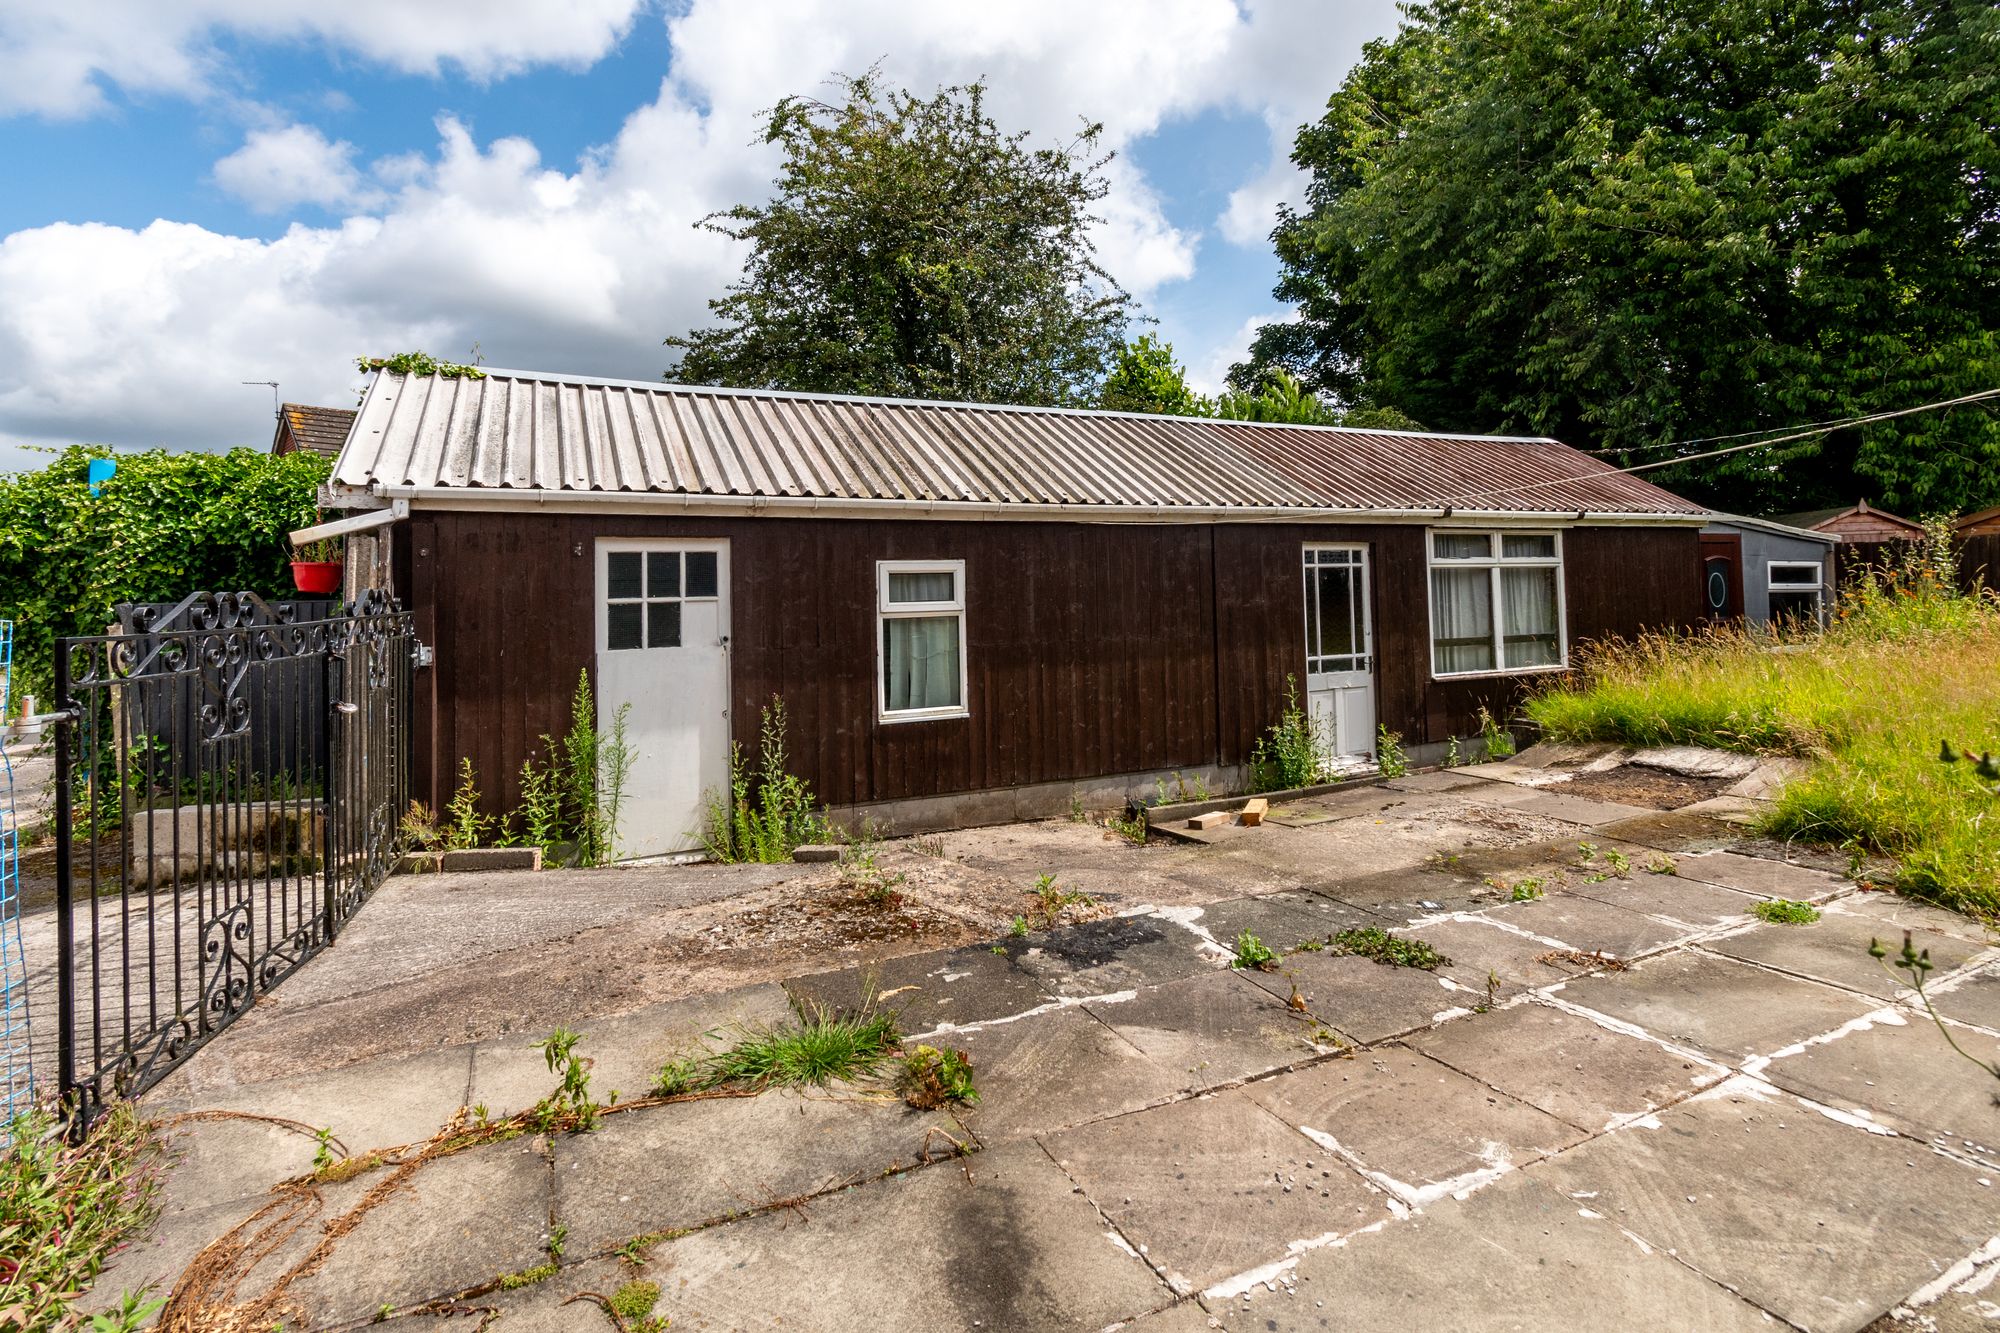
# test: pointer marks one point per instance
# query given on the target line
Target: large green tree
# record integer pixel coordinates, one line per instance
(914, 249)
(1631, 225)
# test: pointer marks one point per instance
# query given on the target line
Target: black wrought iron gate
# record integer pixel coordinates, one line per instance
(230, 775)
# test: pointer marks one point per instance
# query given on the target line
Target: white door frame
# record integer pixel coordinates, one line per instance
(1342, 701)
(667, 785)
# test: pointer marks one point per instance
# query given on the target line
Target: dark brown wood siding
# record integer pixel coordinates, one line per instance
(1093, 649)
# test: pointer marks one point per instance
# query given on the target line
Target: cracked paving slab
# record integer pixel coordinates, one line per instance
(1363, 1000)
(1825, 1222)
(1210, 1030)
(1205, 1187)
(1834, 949)
(1056, 1069)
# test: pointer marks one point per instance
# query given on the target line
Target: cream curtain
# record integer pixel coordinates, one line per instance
(1462, 619)
(1528, 601)
(920, 662)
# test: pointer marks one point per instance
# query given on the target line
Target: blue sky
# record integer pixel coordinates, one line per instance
(220, 190)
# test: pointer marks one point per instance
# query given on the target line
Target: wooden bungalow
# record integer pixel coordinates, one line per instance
(973, 612)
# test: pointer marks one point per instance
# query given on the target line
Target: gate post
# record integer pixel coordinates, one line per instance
(329, 789)
(65, 758)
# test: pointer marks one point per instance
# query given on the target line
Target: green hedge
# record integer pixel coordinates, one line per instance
(168, 524)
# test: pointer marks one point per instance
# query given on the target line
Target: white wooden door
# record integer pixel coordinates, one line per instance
(663, 650)
(1340, 648)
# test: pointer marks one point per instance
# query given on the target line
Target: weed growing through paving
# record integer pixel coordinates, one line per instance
(65, 1208)
(570, 1105)
(1785, 912)
(1019, 930)
(1499, 741)
(1055, 900)
(1375, 943)
(1132, 828)
(1077, 814)
(860, 869)
(1390, 757)
(817, 1047)
(1453, 756)
(1291, 754)
(1252, 952)
(1917, 963)
(633, 1304)
(573, 801)
(464, 826)
(931, 1077)
(1906, 663)
(1661, 864)
(767, 814)
(1190, 788)
(931, 846)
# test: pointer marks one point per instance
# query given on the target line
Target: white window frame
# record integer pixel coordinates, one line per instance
(643, 547)
(1817, 582)
(885, 611)
(1495, 562)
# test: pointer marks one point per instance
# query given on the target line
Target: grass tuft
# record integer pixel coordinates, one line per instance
(1908, 663)
(819, 1047)
(1785, 912)
(1392, 950)
(66, 1208)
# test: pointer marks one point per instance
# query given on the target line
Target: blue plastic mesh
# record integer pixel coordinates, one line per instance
(19, 1087)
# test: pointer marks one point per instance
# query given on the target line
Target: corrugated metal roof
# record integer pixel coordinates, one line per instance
(323, 430)
(530, 432)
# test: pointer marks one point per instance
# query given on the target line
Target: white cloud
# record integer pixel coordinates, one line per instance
(56, 58)
(142, 336)
(1208, 371)
(277, 170)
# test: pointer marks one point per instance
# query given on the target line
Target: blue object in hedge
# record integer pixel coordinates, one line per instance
(100, 471)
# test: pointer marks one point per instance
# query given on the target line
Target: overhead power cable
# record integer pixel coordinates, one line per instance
(1794, 433)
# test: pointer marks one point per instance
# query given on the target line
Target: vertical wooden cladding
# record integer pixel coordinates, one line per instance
(1093, 649)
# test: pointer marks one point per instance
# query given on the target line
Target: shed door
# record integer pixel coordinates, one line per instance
(1721, 577)
(663, 651)
(1340, 663)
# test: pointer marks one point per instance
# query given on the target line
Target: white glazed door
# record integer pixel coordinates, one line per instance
(1340, 674)
(663, 650)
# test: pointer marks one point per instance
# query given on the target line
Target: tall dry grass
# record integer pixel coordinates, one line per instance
(1909, 662)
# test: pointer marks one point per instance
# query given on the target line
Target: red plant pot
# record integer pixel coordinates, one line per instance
(316, 576)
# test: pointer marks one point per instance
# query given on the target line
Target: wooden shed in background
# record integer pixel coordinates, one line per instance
(1864, 535)
(974, 612)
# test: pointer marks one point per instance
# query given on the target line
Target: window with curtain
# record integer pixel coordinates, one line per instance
(921, 609)
(1496, 602)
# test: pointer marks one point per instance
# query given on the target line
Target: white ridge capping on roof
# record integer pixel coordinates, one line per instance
(1716, 518)
(577, 443)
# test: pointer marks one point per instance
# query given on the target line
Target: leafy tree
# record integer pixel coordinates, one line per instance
(1145, 378)
(166, 525)
(913, 249)
(1630, 225)
(1280, 397)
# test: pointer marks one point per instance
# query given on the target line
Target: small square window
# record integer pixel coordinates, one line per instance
(701, 580)
(621, 575)
(622, 626)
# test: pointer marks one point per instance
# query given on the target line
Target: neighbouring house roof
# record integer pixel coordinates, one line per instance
(1984, 520)
(1853, 519)
(322, 430)
(523, 438)
(1771, 525)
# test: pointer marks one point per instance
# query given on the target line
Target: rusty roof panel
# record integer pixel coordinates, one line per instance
(513, 431)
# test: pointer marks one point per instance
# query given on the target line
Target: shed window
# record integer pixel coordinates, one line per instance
(644, 592)
(921, 608)
(1496, 602)
(1795, 591)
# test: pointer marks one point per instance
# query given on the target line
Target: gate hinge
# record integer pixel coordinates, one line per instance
(421, 654)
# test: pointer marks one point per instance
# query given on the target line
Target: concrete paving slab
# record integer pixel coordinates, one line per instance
(1211, 1029)
(1971, 998)
(1576, 922)
(927, 991)
(1055, 1070)
(375, 1104)
(1446, 779)
(542, 1307)
(156, 1260)
(1214, 1186)
(216, 1160)
(1187, 1317)
(1415, 1128)
(1834, 949)
(1554, 804)
(1694, 761)
(1767, 779)
(1408, 892)
(1520, 1257)
(1729, 1009)
(1576, 1070)
(1898, 914)
(1282, 920)
(1822, 1223)
(1677, 832)
(1686, 900)
(1111, 954)
(1758, 875)
(1477, 947)
(1515, 773)
(626, 1052)
(1001, 1241)
(455, 1223)
(1742, 811)
(1897, 1070)
(1363, 1000)
(689, 1163)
